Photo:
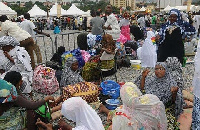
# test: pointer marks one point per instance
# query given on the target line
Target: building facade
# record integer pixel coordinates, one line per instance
(123, 3)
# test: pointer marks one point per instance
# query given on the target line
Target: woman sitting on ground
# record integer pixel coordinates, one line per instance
(10, 103)
(164, 86)
(80, 112)
(70, 75)
(16, 58)
(106, 59)
(138, 111)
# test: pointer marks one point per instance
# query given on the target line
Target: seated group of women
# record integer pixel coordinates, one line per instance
(164, 90)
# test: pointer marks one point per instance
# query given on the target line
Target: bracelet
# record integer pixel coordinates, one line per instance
(143, 91)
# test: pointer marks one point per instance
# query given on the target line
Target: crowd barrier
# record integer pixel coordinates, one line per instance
(49, 45)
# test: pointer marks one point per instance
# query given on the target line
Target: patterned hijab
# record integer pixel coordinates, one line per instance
(161, 87)
(77, 110)
(175, 68)
(69, 77)
(108, 42)
(139, 111)
(185, 27)
(9, 40)
(8, 92)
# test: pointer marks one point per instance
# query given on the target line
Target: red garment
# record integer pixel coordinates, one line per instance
(125, 31)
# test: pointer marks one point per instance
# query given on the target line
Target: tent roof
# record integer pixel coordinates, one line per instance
(142, 9)
(87, 14)
(197, 8)
(168, 8)
(5, 10)
(36, 12)
(53, 10)
(73, 10)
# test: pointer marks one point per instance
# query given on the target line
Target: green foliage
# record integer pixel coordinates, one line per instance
(41, 6)
(66, 7)
(85, 5)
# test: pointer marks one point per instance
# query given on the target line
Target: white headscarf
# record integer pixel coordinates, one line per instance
(196, 79)
(77, 110)
(139, 112)
(148, 51)
(9, 40)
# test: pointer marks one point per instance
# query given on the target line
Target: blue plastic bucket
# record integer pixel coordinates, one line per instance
(111, 88)
(112, 104)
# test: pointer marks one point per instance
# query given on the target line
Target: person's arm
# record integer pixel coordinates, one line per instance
(8, 56)
(174, 91)
(22, 102)
(108, 51)
(39, 32)
(63, 125)
(144, 75)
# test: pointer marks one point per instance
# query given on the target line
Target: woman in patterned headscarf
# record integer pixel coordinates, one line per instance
(164, 86)
(16, 58)
(70, 75)
(171, 34)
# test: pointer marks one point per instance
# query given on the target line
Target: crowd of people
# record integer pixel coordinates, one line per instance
(151, 102)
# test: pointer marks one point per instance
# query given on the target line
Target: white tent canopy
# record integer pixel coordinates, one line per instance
(37, 12)
(73, 10)
(53, 10)
(142, 9)
(5, 10)
(87, 14)
(193, 8)
(198, 8)
(168, 8)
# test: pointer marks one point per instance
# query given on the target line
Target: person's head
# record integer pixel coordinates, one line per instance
(7, 43)
(61, 49)
(15, 78)
(126, 15)
(160, 69)
(107, 39)
(72, 63)
(98, 13)
(3, 18)
(27, 16)
(174, 15)
(80, 112)
(8, 92)
(108, 9)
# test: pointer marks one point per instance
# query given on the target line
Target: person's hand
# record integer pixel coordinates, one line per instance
(49, 98)
(6, 54)
(61, 123)
(48, 35)
(145, 73)
(109, 27)
(174, 90)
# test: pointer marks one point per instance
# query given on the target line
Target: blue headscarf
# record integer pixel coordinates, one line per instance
(185, 27)
(8, 92)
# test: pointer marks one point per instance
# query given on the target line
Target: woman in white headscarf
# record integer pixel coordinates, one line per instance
(196, 84)
(148, 51)
(16, 58)
(77, 110)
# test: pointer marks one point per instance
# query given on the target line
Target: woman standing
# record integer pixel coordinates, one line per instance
(171, 34)
(125, 26)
